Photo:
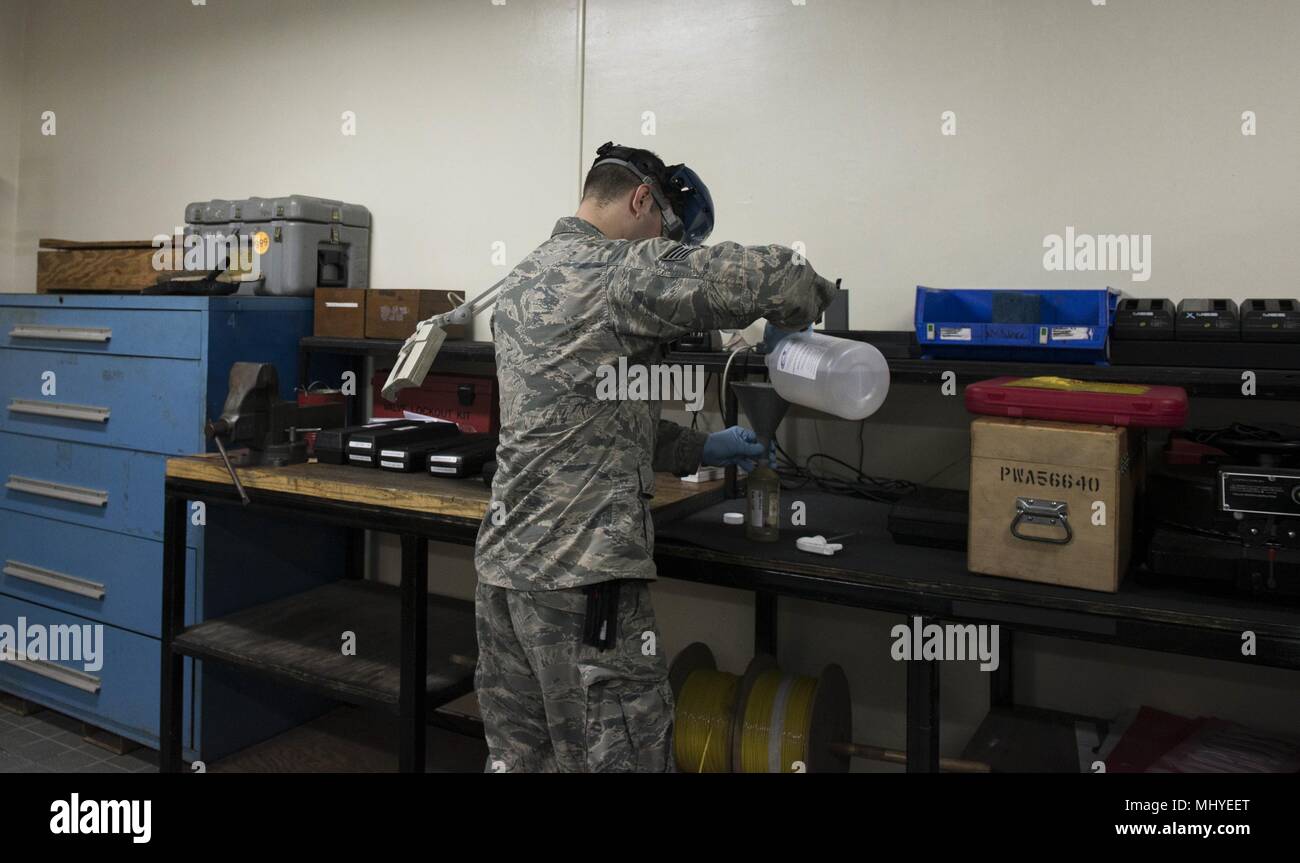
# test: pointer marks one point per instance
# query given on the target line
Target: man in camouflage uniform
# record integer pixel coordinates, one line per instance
(570, 511)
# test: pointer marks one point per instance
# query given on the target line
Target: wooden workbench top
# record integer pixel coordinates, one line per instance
(419, 492)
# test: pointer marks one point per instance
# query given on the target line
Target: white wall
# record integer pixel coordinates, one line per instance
(817, 123)
(821, 123)
(12, 22)
(466, 118)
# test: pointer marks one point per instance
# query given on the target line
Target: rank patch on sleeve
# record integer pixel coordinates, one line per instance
(680, 253)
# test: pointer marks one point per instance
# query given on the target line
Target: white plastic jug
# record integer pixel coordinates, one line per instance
(838, 376)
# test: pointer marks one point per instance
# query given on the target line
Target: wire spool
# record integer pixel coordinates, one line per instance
(832, 721)
(786, 722)
(764, 722)
(706, 702)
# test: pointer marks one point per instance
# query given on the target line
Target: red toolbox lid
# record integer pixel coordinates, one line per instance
(470, 401)
(1068, 400)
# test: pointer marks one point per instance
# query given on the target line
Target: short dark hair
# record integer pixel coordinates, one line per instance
(604, 183)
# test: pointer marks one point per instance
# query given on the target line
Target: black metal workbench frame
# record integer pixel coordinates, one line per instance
(1017, 607)
(1213, 371)
(414, 529)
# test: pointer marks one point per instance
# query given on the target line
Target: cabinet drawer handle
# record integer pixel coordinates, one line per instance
(61, 674)
(85, 413)
(58, 491)
(57, 580)
(61, 334)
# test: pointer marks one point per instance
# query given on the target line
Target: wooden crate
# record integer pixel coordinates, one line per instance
(111, 266)
(1089, 472)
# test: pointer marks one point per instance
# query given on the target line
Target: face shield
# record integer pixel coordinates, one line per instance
(693, 204)
(684, 201)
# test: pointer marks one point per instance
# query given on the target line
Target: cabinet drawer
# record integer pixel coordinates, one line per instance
(120, 687)
(112, 489)
(108, 577)
(130, 332)
(133, 402)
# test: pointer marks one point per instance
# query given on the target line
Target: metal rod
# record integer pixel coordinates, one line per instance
(413, 637)
(239, 486)
(172, 694)
(922, 716)
(898, 756)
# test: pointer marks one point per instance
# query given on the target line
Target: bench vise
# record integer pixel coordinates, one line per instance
(254, 416)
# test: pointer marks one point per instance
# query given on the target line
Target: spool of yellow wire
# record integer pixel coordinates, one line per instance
(774, 733)
(705, 710)
(764, 722)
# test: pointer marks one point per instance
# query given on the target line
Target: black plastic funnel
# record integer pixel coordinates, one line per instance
(763, 406)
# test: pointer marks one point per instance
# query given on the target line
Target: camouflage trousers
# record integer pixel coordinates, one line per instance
(553, 704)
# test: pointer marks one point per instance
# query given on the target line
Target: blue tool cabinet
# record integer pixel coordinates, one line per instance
(96, 392)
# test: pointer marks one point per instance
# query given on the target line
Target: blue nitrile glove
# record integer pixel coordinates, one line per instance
(736, 445)
(772, 336)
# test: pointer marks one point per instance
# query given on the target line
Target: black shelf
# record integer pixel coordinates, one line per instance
(297, 640)
(875, 572)
(1216, 370)
(1208, 378)
(451, 351)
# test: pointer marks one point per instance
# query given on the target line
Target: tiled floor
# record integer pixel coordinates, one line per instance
(48, 742)
(346, 739)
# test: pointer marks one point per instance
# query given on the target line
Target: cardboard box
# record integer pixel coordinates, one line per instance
(340, 313)
(1052, 502)
(394, 314)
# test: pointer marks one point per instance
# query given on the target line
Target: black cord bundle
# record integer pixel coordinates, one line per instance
(879, 489)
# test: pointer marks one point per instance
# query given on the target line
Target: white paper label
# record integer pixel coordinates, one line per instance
(330, 305)
(421, 418)
(799, 359)
(1071, 334)
(954, 334)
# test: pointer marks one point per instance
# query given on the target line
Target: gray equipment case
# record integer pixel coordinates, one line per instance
(309, 242)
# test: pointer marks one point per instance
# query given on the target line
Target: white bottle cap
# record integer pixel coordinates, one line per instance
(733, 518)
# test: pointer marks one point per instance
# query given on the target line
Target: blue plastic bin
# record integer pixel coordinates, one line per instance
(1015, 326)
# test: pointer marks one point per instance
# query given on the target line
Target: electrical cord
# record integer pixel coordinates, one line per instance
(722, 388)
(794, 476)
(879, 489)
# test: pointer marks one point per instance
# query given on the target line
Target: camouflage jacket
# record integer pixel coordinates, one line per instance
(570, 499)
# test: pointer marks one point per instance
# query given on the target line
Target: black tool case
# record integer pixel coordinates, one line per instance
(409, 458)
(1207, 321)
(462, 458)
(1145, 319)
(1270, 321)
(933, 517)
(332, 444)
(367, 448)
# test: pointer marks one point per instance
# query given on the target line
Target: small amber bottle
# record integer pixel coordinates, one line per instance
(763, 515)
